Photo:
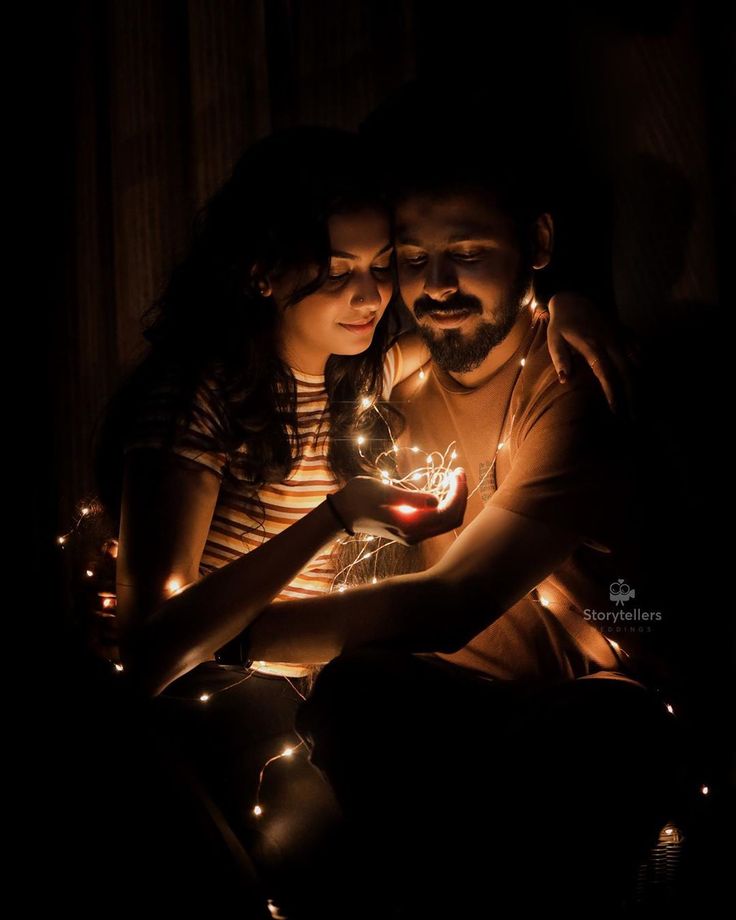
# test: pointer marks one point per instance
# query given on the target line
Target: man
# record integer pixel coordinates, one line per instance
(473, 696)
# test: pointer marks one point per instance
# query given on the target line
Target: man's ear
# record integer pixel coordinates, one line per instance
(544, 238)
(260, 280)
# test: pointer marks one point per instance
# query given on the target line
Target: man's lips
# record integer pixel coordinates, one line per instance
(360, 328)
(449, 320)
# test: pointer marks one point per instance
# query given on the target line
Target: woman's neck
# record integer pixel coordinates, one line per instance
(302, 359)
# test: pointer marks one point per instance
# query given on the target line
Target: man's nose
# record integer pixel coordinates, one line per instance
(440, 280)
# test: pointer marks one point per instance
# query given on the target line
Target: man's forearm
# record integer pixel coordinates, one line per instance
(419, 612)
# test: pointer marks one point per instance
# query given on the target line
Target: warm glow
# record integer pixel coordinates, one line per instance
(61, 540)
(89, 573)
(287, 752)
(615, 644)
(118, 666)
(360, 439)
(669, 831)
(204, 697)
(544, 601)
(670, 709)
(451, 481)
(85, 512)
(422, 375)
(258, 811)
(406, 509)
(174, 585)
(523, 362)
(365, 402)
(705, 790)
(500, 446)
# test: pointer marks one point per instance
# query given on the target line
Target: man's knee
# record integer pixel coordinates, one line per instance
(350, 689)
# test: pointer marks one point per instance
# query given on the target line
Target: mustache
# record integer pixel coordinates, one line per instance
(458, 303)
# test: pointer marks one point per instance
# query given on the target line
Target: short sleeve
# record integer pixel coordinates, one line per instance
(567, 467)
(392, 365)
(196, 429)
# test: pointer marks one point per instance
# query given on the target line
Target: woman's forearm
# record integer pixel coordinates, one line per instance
(189, 627)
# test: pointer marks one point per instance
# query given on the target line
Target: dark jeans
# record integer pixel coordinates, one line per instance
(226, 741)
(465, 793)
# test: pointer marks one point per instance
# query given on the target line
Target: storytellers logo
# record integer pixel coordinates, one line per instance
(623, 618)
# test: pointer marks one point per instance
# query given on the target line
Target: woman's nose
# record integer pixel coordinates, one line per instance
(366, 294)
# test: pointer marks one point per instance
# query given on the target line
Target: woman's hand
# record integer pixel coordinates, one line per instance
(371, 506)
(576, 324)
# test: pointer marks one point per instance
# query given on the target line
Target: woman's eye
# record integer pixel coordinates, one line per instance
(415, 260)
(466, 256)
(382, 269)
(339, 276)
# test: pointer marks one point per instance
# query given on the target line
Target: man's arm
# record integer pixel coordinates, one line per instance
(497, 559)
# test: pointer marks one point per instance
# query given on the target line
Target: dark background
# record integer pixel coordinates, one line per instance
(133, 112)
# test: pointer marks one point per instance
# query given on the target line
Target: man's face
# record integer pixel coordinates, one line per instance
(461, 275)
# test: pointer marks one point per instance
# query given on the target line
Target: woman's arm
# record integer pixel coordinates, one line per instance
(169, 620)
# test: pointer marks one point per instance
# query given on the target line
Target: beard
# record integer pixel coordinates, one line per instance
(458, 353)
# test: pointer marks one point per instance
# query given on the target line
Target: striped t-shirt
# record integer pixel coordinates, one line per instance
(242, 522)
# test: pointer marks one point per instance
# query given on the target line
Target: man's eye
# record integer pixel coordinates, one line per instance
(415, 260)
(382, 269)
(466, 256)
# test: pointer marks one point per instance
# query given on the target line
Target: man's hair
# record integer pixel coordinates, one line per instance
(426, 140)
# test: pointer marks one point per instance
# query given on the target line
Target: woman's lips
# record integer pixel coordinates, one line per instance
(449, 320)
(359, 328)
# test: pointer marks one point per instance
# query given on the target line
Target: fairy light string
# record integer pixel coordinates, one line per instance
(434, 475)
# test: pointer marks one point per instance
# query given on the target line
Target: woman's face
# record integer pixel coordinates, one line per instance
(340, 318)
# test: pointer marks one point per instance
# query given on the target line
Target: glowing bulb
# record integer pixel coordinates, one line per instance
(365, 402)
(422, 375)
(173, 585)
(85, 512)
(705, 790)
(669, 831)
(429, 461)
(500, 446)
(416, 476)
(415, 450)
(544, 601)
(384, 476)
(287, 752)
(61, 540)
(406, 509)
(523, 362)
(374, 580)
(204, 697)
(258, 811)
(89, 573)
(615, 644)
(453, 455)
(669, 709)
(108, 601)
(341, 589)
(118, 666)
(396, 448)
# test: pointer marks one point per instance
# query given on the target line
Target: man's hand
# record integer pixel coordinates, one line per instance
(371, 506)
(576, 324)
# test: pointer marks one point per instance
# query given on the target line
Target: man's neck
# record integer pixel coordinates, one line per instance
(497, 356)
